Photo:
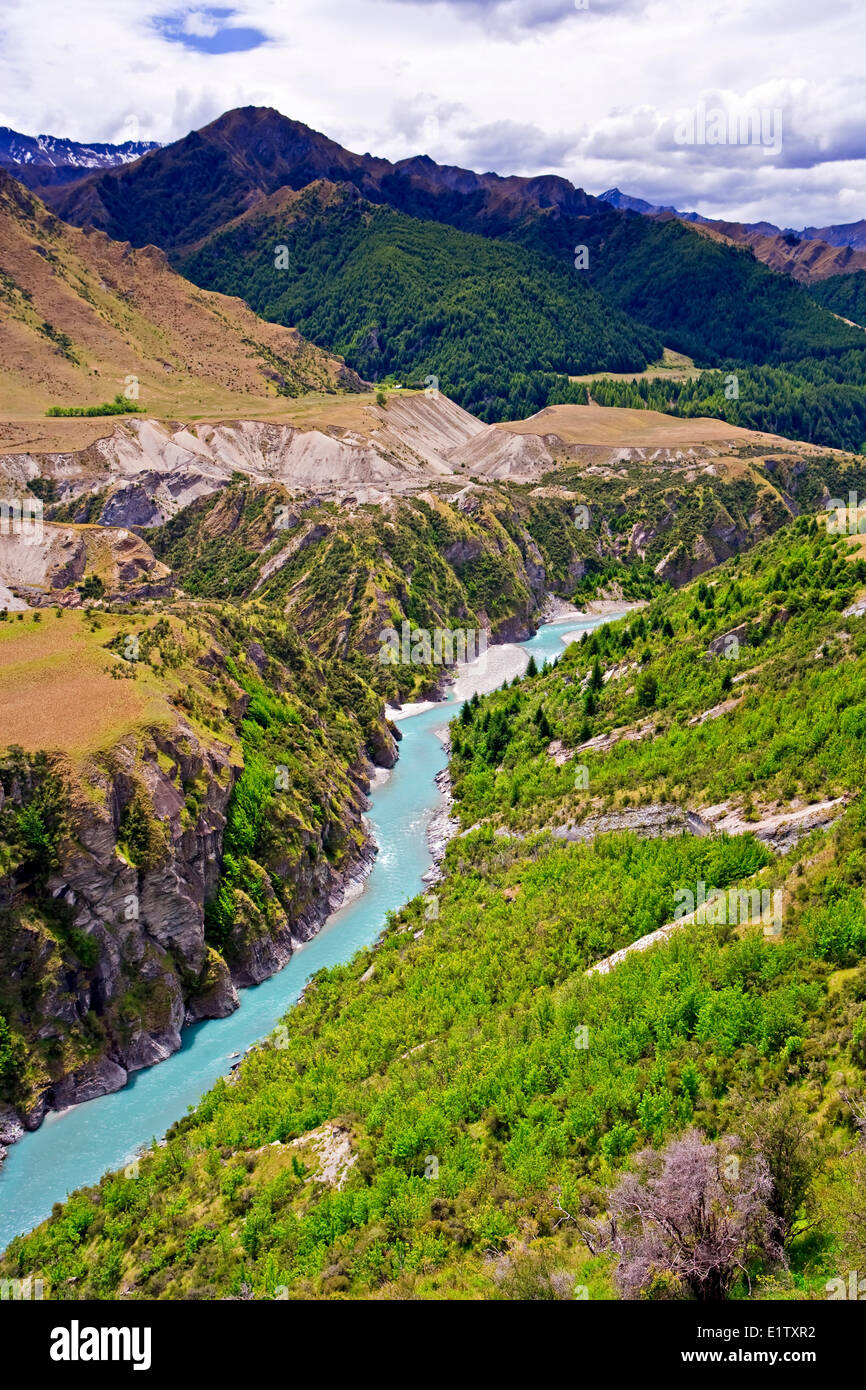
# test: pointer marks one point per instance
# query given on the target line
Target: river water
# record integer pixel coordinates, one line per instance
(75, 1147)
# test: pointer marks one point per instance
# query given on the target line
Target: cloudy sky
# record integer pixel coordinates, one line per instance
(652, 96)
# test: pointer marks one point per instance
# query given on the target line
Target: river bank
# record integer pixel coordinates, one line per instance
(73, 1148)
(503, 661)
(500, 663)
(108, 1073)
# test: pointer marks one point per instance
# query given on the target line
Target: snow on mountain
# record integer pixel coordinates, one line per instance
(39, 160)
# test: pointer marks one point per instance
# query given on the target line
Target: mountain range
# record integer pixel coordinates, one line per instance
(851, 234)
(41, 160)
(535, 281)
(291, 155)
(500, 290)
(810, 255)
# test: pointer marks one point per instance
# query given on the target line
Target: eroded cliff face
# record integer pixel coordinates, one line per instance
(109, 955)
(53, 565)
(105, 959)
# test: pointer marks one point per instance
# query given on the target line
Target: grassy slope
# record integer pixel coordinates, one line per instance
(80, 315)
(460, 1047)
(820, 402)
(57, 686)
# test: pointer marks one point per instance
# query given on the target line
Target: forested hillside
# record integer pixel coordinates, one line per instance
(475, 1096)
(844, 295)
(396, 295)
(819, 400)
(502, 324)
(713, 301)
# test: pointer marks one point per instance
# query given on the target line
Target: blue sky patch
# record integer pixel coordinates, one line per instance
(207, 30)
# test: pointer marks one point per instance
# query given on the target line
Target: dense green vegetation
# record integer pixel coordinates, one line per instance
(119, 406)
(476, 1116)
(487, 1094)
(288, 805)
(712, 301)
(795, 731)
(344, 578)
(822, 401)
(502, 323)
(492, 322)
(34, 822)
(844, 295)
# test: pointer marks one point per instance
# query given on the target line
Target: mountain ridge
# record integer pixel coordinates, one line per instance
(82, 317)
(256, 150)
(42, 160)
(703, 295)
(810, 255)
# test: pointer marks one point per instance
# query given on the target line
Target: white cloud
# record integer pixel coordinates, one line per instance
(201, 24)
(516, 17)
(512, 147)
(528, 86)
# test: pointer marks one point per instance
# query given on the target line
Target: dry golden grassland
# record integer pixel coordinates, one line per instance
(57, 692)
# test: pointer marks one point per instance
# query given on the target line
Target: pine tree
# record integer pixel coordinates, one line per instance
(544, 729)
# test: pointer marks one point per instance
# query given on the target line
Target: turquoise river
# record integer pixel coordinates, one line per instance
(73, 1148)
